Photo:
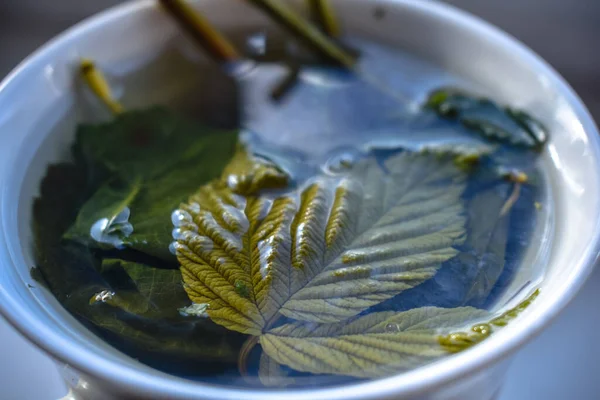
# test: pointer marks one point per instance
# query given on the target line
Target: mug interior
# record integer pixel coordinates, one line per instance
(41, 104)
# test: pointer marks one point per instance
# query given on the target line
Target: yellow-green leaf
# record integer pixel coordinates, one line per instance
(327, 252)
(246, 174)
(373, 235)
(370, 346)
(455, 342)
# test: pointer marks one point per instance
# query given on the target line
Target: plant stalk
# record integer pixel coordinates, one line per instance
(249, 345)
(286, 84)
(286, 17)
(324, 14)
(96, 81)
(203, 32)
(245, 351)
(514, 197)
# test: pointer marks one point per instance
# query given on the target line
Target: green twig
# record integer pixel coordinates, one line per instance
(305, 31)
(205, 34)
(324, 14)
(97, 83)
(287, 84)
(514, 197)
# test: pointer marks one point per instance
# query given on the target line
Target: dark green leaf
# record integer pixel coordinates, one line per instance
(197, 338)
(62, 268)
(147, 143)
(104, 219)
(503, 124)
(72, 273)
(144, 289)
(155, 160)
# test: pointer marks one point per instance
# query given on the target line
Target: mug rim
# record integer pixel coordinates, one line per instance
(434, 375)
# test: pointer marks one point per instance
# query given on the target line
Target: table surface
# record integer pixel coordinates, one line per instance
(559, 364)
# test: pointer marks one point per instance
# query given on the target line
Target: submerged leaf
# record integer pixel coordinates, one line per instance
(488, 118)
(271, 373)
(246, 174)
(141, 192)
(104, 219)
(329, 255)
(372, 345)
(459, 341)
(195, 338)
(468, 278)
(73, 274)
(65, 269)
(376, 247)
(133, 143)
(145, 290)
(488, 236)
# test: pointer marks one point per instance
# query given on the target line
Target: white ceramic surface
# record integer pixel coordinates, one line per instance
(37, 95)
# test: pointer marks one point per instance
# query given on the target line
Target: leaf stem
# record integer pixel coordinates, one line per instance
(286, 17)
(247, 347)
(203, 32)
(516, 193)
(323, 12)
(96, 81)
(286, 84)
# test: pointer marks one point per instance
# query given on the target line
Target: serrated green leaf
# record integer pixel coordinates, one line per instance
(63, 267)
(112, 200)
(130, 145)
(197, 338)
(328, 255)
(73, 274)
(368, 346)
(144, 289)
(379, 246)
(503, 124)
(468, 278)
(127, 149)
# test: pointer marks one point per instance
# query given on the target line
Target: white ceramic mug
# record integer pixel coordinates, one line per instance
(38, 113)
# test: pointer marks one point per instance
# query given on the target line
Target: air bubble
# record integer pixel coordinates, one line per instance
(179, 217)
(176, 233)
(194, 207)
(341, 162)
(483, 329)
(186, 236)
(112, 231)
(195, 310)
(103, 296)
(176, 247)
(257, 44)
(392, 328)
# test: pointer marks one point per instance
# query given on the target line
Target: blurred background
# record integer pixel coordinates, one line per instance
(560, 364)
